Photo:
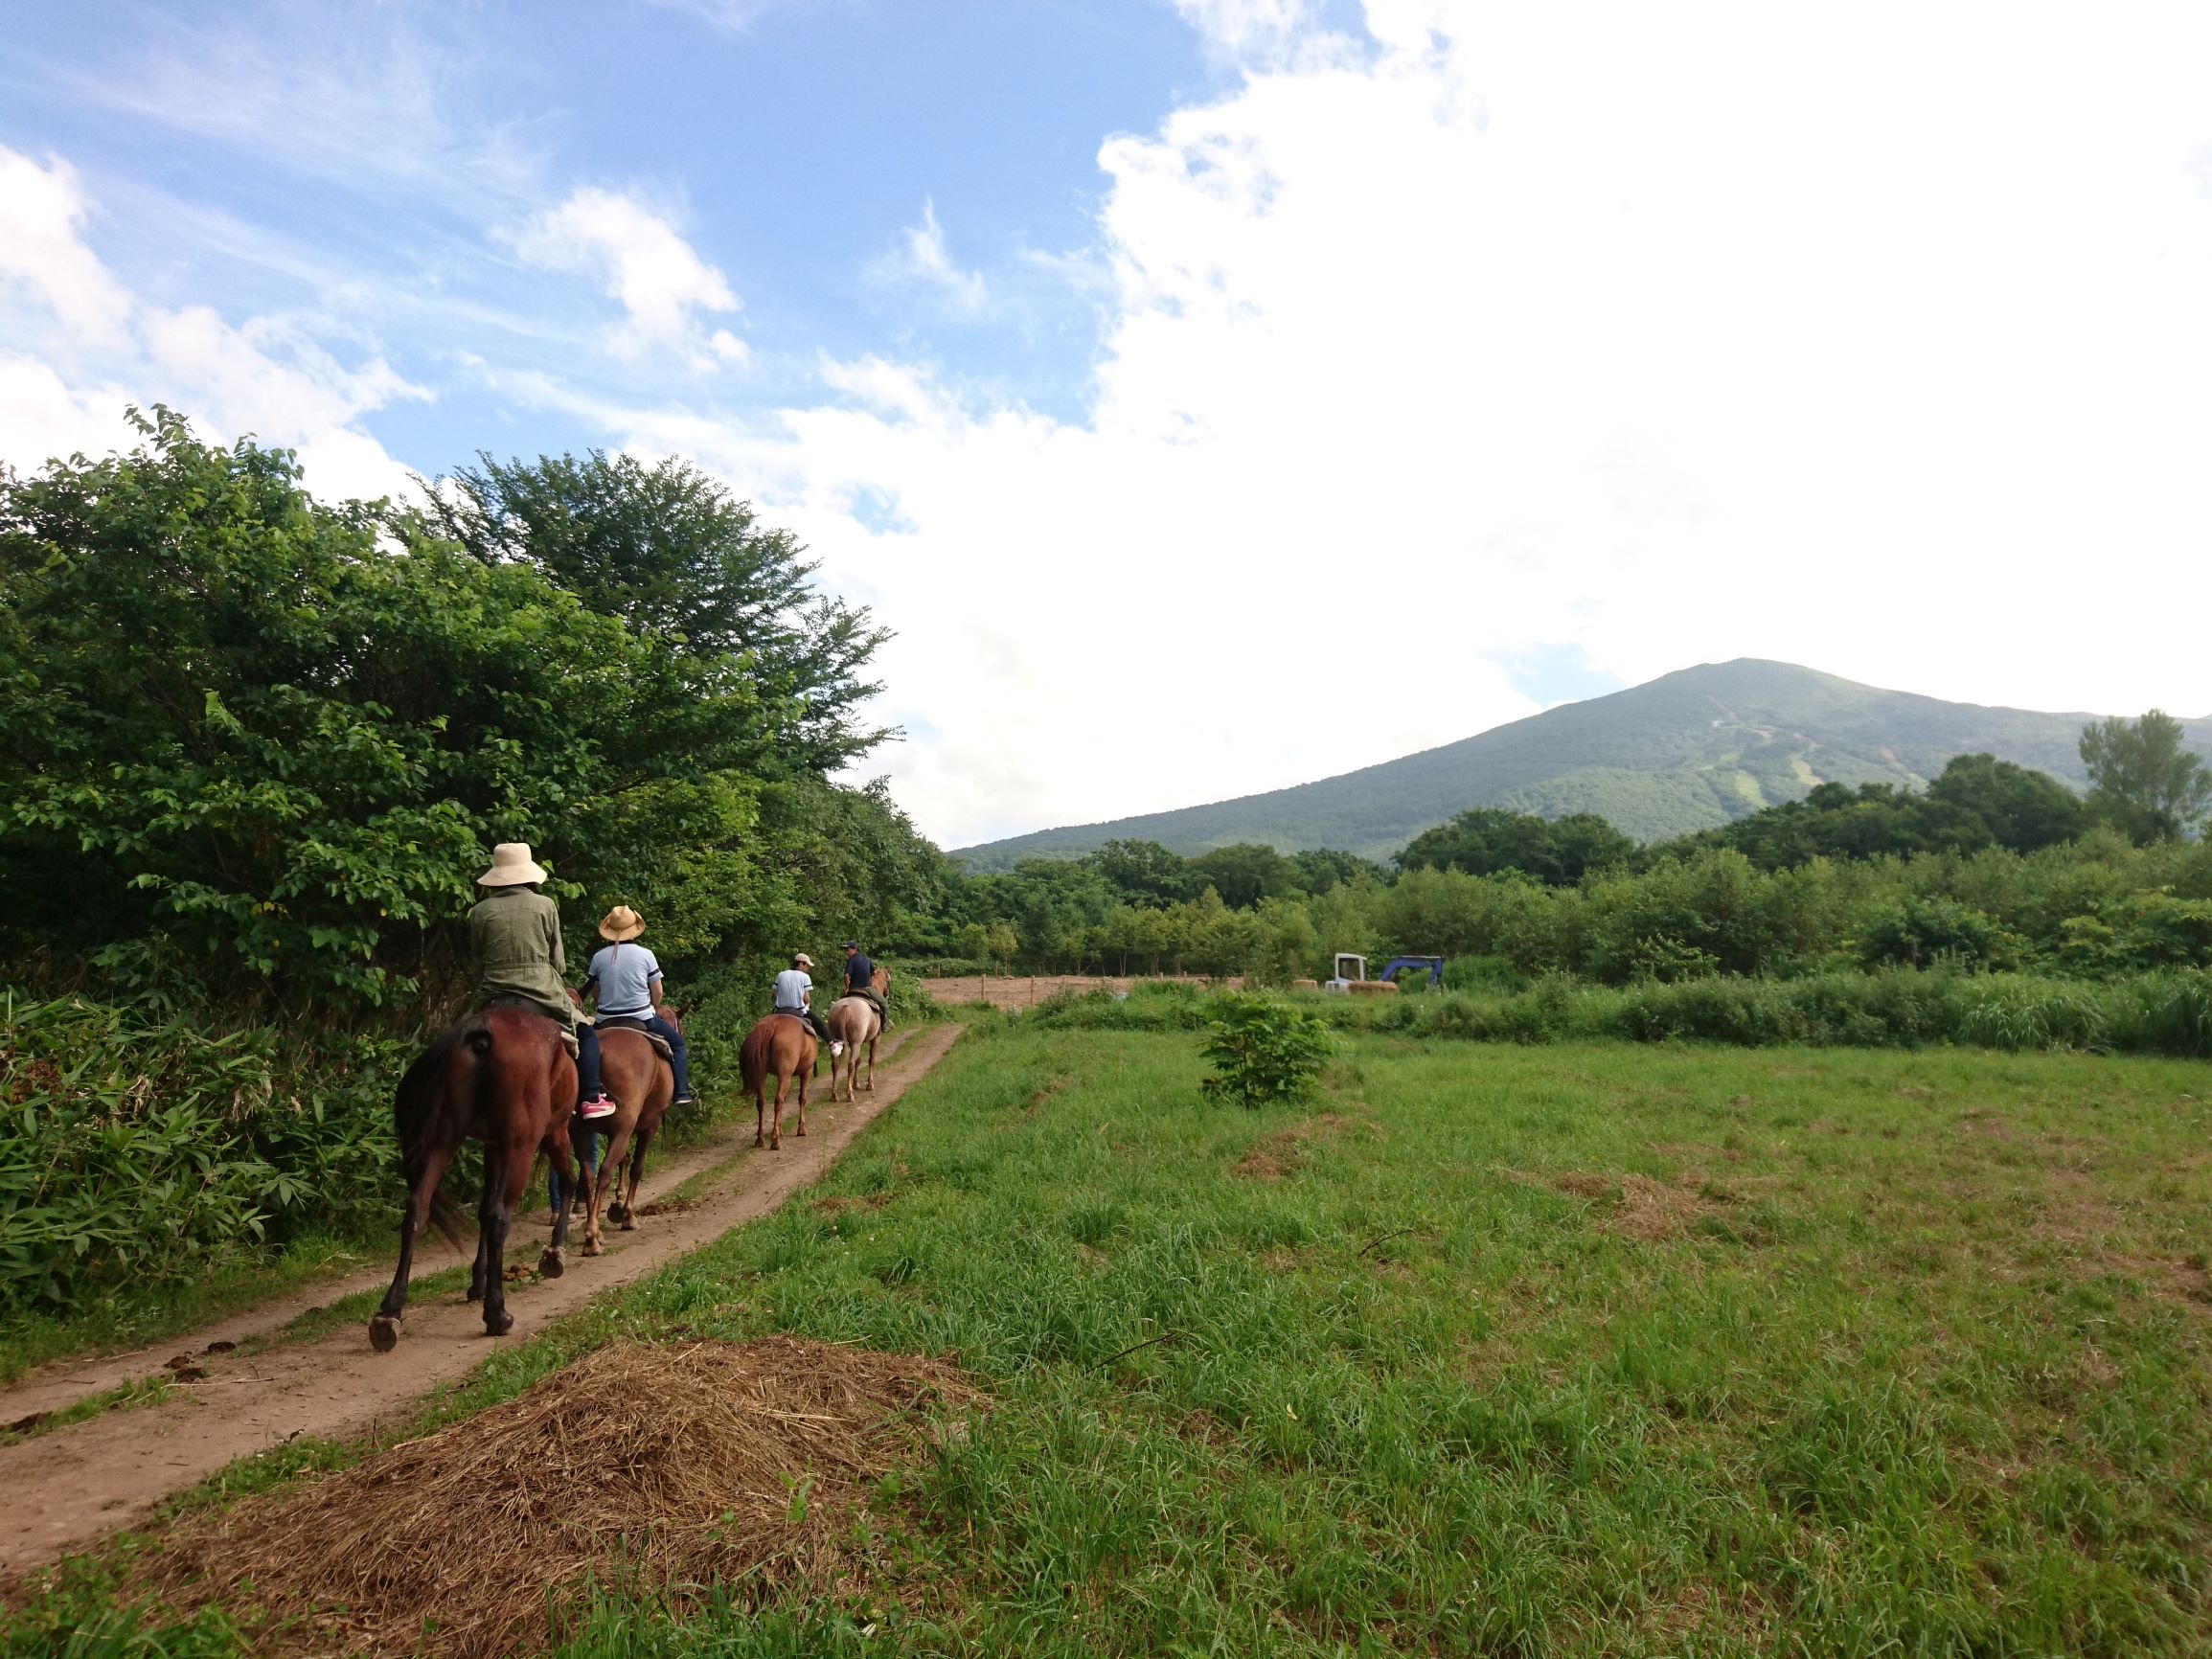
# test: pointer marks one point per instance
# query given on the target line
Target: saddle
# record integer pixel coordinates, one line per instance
(660, 1044)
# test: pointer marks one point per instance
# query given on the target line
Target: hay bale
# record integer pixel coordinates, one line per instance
(668, 1468)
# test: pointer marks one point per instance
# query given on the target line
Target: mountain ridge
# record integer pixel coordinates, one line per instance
(1686, 751)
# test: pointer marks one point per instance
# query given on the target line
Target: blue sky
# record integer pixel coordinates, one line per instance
(1154, 365)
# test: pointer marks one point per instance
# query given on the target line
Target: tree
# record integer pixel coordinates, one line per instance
(2142, 780)
(1144, 871)
(2023, 808)
(1487, 840)
(239, 724)
(672, 553)
(1244, 874)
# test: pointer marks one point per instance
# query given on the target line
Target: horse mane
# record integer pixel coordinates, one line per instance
(427, 1088)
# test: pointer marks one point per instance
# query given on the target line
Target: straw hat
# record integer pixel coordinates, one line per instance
(511, 866)
(620, 924)
(802, 960)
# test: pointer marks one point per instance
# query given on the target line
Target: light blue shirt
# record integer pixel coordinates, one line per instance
(791, 987)
(625, 974)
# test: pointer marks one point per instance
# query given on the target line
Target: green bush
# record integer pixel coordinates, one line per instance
(1263, 1050)
(143, 1153)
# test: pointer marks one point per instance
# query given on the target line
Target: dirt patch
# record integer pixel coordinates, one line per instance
(998, 991)
(1580, 1184)
(675, 1204)
(1650, 1211)
(1640, 1207)
(675, 1468)
(1279, 1153)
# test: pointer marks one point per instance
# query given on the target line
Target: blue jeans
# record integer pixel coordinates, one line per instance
(588, 1086)
(584, 1158)
(681, 1061)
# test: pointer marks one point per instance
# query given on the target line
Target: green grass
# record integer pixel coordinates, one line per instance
(1588, 1349)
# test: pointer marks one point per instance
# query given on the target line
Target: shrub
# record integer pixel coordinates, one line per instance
(1263, 1050)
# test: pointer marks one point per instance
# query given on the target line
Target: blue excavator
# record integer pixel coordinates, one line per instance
(1352, 974)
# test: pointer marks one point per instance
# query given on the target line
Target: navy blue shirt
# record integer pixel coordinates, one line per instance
(860, 972)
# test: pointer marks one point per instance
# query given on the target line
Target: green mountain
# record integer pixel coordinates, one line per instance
(1687, 751)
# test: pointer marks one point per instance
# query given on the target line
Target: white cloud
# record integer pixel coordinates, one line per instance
(83, 347)
(1874, 342)
(925, 263)
(639, 259)
(1245, 30)
(42, 255)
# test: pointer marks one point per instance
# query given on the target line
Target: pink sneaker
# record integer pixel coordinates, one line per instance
(602, 1107)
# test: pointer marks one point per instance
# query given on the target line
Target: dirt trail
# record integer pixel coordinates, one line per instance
(67, 1488)
(55, 1387)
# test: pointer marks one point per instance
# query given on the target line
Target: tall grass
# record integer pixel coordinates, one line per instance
(2166, 1013)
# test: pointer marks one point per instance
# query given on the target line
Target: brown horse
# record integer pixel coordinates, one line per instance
(782, 1045)
(503, 1076)
(641, 1085)
(620, 1208)
(853, 1020)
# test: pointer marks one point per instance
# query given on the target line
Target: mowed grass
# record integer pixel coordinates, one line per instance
(1579, 1350)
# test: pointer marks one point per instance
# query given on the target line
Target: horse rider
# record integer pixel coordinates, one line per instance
(624, 982)
(860, 982)
(795, 996)
(514, 935)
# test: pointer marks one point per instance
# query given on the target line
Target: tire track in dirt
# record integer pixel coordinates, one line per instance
(74, 1484)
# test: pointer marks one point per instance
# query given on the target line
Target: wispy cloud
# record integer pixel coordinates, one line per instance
(62, 309)
(923, 263)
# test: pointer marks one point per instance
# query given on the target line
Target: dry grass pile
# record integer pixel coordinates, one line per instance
(668, 1468)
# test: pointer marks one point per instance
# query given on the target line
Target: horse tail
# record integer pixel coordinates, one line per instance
(449, 1073)
(756, 1056)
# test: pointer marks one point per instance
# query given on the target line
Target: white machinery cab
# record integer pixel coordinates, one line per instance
(1351, 970)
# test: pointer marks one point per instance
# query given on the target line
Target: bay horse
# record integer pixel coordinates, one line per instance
(853, 1021)
(502, 1076)
(641, 1085)
(783, 1046)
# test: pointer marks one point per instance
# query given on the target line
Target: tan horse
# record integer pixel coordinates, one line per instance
(782, 1045)
(853, 1021)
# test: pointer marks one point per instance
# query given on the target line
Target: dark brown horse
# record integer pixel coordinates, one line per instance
(783, 1046)
(622, 1208)
(504, 1078)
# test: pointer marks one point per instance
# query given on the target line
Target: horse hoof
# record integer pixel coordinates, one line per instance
(776, 1146)
(476, 1293)
(552, 1265)
(591, 1246)
(628, 1222)
(383, 1334)
(618, 1211)
(498, 1324)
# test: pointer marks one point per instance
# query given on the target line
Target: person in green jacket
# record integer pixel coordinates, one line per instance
(514, 934)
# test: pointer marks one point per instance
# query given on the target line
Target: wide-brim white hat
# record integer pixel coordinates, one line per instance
(511, 866)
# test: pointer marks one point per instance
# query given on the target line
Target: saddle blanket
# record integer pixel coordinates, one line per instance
(660, 1044)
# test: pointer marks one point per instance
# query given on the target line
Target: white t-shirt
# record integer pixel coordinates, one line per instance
(625, 974)
(791, 987)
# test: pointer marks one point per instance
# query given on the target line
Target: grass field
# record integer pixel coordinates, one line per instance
(1591, 1349)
